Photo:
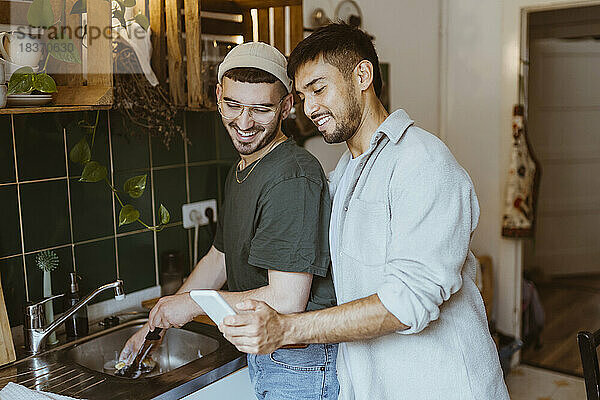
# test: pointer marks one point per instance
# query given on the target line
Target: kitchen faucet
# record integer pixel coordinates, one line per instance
(33, 326)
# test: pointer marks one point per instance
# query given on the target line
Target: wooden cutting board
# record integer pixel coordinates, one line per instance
(204, 319)
(7, 347)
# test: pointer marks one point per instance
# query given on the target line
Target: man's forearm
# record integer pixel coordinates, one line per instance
(261, 293)
(278, 303)
(287, 292)
(360, 319)
(209, 273)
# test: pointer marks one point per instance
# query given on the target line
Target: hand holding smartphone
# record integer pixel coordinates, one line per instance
(213, 304)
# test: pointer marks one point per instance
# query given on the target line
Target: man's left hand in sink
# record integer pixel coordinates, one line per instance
(179, 309)
(182, 309)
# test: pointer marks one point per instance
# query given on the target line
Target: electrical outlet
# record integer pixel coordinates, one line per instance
(193, 212)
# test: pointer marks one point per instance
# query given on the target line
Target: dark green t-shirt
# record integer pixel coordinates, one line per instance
(277, 218)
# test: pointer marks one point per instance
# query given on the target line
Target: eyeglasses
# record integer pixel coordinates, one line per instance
(263, 115)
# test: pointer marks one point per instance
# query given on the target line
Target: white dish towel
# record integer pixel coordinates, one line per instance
(13, 391)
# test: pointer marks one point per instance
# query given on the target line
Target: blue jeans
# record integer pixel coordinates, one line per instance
(295, 374)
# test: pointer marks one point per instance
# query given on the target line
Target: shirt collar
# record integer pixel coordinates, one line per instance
(393, 127)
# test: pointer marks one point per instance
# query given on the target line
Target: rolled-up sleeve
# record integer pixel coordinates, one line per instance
(433, 213)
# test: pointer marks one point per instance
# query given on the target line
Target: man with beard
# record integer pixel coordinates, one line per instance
(272, 238)
(410, 319)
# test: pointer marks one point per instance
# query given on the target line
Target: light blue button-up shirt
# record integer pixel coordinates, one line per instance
(403, 231)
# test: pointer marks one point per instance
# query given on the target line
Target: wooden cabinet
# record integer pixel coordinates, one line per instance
(180, 29)
(80, 86)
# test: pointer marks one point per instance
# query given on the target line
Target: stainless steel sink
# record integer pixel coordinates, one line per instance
(190, 359)
(179, 347)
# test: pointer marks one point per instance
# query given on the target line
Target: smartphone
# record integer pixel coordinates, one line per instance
(213, 304)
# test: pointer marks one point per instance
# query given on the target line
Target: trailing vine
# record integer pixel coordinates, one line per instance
(93, 171)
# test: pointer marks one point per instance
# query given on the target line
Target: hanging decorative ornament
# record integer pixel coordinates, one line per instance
(319, 18)
(523, 179)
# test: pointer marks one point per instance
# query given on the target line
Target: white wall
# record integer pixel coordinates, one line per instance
(472, 125)
(407, 37)
(483, 40)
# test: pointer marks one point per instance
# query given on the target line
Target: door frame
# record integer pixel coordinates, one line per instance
(515, 46)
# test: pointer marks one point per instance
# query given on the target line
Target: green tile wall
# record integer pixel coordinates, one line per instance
(7, 163)
(98, 263)
(10, 234)
(40, 147)
(41, 196)
(45, 214)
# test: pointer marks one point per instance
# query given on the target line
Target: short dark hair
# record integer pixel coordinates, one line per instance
(252, 75)
(342, 46)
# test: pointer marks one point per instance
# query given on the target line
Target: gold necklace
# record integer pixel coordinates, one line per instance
(256, 162)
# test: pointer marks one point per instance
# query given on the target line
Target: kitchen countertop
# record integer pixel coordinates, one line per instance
(52, 371)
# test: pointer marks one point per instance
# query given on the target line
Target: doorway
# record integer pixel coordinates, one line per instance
(563, 260)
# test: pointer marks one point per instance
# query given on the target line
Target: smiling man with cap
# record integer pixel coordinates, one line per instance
(272, 238)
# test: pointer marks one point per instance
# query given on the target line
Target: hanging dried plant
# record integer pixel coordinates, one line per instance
(147, 107)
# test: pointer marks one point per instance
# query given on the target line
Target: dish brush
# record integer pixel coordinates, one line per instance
(47, 261)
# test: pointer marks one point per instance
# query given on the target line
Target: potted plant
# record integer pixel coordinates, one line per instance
(59, 46)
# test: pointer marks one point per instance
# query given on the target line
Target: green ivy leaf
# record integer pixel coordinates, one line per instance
(44, 83)
(79, 7)
(23, 70)
(128, 215)
(21, 81)
(143, 21)
(40, 14)
(164, 215)
(135, 186)
(81, 152)
(93, 172)
(129, 3)
(63, 49)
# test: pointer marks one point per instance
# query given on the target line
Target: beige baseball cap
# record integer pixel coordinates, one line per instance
(257, 55)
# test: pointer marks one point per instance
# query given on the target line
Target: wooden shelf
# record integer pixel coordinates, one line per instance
(83, 96)
(67, 98)
(50, 108)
